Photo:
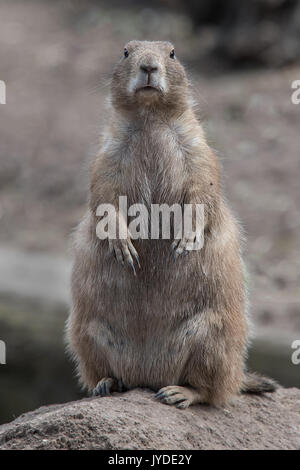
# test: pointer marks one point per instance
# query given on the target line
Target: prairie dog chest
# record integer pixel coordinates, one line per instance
(153, 165)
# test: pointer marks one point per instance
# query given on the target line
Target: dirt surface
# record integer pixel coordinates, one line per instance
(134, 421)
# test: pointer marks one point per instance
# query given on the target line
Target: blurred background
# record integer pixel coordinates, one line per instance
(56, 58)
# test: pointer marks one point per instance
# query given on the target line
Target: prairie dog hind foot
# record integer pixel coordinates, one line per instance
(181, 397)
(106, 386)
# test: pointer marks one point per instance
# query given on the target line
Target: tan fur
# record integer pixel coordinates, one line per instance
(177, 327)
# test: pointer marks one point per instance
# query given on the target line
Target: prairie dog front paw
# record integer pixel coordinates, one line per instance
(124, 252)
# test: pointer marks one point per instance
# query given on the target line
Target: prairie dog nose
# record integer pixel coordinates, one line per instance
(148, 68)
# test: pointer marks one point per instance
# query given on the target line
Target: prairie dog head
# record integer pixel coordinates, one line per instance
(149, 75)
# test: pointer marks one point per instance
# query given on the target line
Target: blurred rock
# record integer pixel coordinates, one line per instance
(261, 32)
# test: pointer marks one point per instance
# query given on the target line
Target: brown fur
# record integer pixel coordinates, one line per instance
(178, 327)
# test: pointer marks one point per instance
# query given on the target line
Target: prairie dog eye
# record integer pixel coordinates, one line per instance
(126, 53)
(172, 54)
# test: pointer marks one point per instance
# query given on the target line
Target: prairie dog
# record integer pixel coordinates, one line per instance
(178, 326)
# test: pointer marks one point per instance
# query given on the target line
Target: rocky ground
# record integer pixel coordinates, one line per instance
(134, 421)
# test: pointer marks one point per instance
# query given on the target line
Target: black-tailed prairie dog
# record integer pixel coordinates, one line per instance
(151, 312)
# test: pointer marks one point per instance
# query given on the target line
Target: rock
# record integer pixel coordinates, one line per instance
(263, 32)
(133, 420)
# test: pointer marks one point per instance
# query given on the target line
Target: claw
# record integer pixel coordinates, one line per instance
(136, 259)
(174, 245)
(132, 267)
(120, 386)
(134, 254)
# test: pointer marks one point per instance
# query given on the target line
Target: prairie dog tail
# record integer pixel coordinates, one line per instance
(258, 384)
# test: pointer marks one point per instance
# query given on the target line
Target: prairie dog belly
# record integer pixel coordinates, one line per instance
(144, 351)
